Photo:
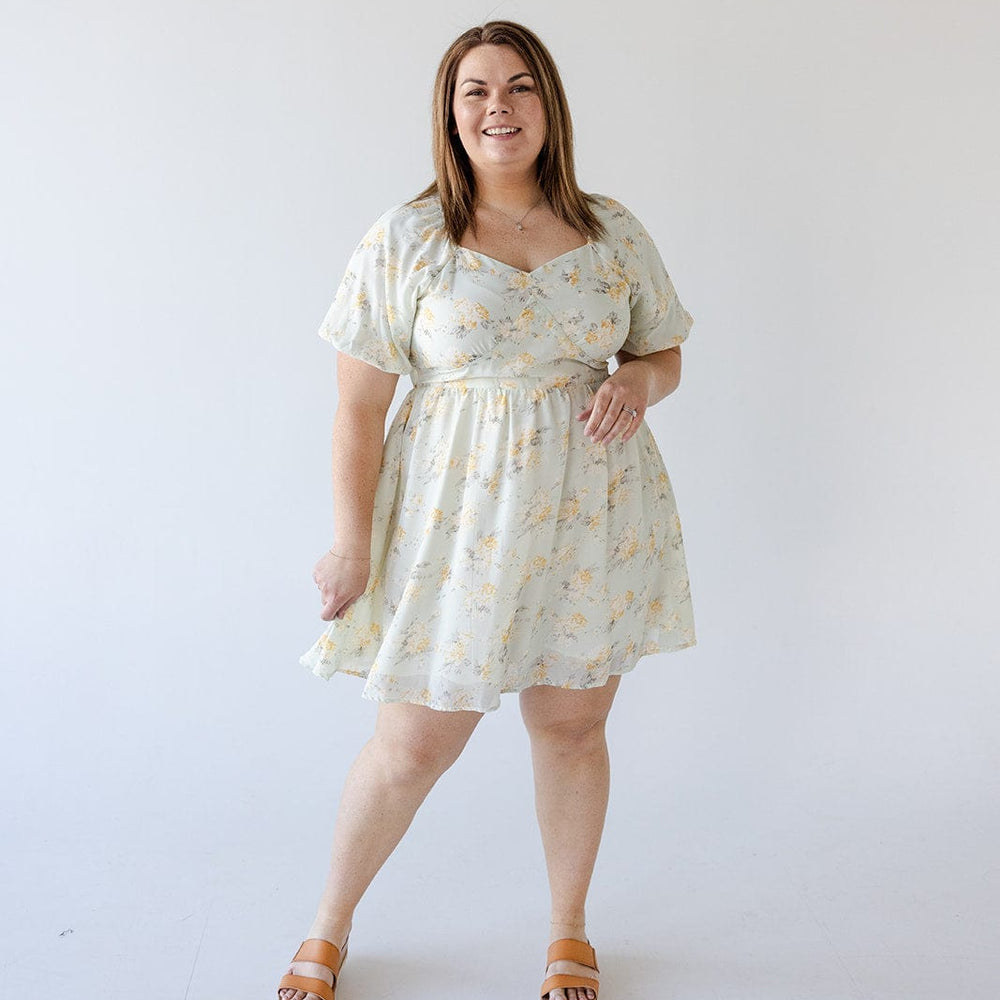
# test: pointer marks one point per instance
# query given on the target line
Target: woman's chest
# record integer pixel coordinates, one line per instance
(575, 305)
(500, 238)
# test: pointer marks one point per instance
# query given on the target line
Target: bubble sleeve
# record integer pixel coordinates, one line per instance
(658, 320)
(371, 317)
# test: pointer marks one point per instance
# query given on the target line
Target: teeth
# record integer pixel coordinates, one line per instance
(506, 130)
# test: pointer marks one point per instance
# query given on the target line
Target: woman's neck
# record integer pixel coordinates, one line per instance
(512, 194)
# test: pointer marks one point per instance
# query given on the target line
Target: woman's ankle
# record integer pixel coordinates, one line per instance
(334, 931)
(568, 928)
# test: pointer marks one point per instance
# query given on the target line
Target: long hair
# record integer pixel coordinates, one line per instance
(454, 181)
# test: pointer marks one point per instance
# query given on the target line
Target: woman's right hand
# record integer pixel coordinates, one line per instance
(341, 582)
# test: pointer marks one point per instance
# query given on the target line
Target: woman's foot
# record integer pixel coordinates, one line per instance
(569, 967)
(313, 969)
(564, 968)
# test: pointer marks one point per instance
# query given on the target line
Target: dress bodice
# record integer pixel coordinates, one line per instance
(480, 316)
(414, 302)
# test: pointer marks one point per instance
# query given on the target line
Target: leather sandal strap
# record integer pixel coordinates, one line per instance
(562, 982)
(307, 983)
(571, 950)
(318, 950)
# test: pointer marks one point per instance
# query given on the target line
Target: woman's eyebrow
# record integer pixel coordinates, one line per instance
(482, 83)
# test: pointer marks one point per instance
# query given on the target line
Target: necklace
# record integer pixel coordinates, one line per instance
(518, 222)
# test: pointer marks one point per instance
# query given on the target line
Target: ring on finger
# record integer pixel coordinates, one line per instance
(631, 411)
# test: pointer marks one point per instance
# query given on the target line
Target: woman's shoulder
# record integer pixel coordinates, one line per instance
(618, 221)
(410, 224)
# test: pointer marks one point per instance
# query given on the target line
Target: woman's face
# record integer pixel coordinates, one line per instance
(498, 111)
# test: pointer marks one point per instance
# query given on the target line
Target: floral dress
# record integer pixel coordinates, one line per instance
(508, 549)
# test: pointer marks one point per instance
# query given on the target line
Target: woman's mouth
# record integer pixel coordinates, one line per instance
(500, 131)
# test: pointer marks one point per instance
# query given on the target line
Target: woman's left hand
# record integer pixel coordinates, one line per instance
(610, 411)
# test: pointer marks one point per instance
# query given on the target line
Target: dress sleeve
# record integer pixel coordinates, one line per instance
(371, 317)
(658, 320)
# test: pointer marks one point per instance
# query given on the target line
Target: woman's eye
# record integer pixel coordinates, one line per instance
(473, 93)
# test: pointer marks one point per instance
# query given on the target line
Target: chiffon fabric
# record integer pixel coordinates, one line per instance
(508, 549)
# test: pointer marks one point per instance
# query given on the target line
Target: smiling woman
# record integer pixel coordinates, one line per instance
(499, 119)
(515, 531)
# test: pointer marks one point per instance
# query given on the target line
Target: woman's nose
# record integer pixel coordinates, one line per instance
(498, 105)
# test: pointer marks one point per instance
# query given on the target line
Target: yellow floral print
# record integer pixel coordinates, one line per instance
(507, 549)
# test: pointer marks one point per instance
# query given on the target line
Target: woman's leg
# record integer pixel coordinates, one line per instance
(570, 759)
(411, 748)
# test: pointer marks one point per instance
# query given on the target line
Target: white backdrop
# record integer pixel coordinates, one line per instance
(805, 804)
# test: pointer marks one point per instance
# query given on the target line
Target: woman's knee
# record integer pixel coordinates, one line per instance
(570, 720)
(572, 734)
(421, 744)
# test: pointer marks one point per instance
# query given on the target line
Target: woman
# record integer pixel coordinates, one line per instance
(516, 531)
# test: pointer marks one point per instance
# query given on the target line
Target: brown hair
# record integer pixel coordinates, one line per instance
(455, 184)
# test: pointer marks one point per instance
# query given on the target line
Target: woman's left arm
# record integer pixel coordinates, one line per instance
(637, 383)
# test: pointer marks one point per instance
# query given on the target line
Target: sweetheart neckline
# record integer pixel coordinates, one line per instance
(521, 270)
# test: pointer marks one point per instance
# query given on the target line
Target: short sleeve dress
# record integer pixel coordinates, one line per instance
(508, 549)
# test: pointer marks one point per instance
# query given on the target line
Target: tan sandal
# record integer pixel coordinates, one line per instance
(571, 950)
(324, 953)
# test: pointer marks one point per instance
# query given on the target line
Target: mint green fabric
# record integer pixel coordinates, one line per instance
(508, 549)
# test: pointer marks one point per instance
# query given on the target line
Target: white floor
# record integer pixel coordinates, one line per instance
(758, 877)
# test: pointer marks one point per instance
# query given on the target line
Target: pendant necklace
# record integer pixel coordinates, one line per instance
(518, 222)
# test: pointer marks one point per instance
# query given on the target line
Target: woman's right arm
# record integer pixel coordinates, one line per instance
(365, 394)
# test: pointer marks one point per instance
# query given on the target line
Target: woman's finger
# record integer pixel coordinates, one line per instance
(598, 408)
(615, 420)
(331, 602)
(607, 406)
(632, 428)
(617, 426)
(336, 606)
